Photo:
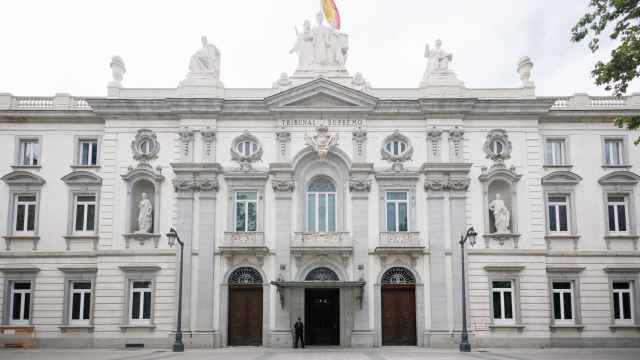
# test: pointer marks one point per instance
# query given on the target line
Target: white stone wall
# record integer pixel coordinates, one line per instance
(525, 133)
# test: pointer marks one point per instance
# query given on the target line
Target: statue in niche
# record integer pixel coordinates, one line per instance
(438, 60)
(145, 215)
(206, 60)
(501, 215)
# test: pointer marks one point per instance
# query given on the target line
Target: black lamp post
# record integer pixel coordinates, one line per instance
(172, 236)
(464, 336)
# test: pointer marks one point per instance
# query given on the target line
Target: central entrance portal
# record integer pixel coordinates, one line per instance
(322, 313)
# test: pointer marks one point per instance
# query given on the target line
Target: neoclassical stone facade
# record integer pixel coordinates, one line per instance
(321, 198)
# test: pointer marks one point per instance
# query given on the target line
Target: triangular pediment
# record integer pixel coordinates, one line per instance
(321, 100)
(321, 94)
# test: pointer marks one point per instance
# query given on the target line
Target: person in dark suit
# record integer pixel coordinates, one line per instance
(298, 329)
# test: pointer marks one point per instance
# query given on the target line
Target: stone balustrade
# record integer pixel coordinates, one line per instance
(402, 239)
(586, 102)
(243, 239)
(58, 102)
(322, 240)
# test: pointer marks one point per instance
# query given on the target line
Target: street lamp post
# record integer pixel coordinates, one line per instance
(470, 235)
(172, 236)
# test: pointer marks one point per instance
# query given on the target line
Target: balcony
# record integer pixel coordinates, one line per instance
(400, 242)
(243, 243)
(243, 239)
(322, 242)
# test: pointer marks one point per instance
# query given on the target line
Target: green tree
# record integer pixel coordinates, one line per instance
(620, 20)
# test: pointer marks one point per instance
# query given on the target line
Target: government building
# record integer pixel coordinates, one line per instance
(320, 198)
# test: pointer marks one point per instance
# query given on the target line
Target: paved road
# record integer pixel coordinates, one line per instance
(325, 354)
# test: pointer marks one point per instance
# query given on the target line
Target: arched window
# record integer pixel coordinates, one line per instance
(245, 276)
(321, 205)
(398, 275)
(322, 274)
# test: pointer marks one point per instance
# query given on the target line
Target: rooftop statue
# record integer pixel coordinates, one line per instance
(321, 47)
(438, 60)
(206, 60)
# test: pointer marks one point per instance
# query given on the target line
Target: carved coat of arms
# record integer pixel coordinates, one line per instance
(322, 141)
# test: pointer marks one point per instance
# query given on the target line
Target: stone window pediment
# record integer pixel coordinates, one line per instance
(620, 178)
(561, 178)
(82, 178)
(23, 178)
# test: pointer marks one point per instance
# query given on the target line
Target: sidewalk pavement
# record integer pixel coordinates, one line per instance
(388, 353)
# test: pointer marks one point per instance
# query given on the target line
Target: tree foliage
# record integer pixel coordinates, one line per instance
(620, 20)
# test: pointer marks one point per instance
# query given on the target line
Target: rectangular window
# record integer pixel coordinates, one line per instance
(80, 302)
(563, 302)
(613, 152)
(397, 214)
(88, 152)
(558, 206)
(622, 292)
(20, 307)
(554, 150)
(617, 213)
(246, 211)
(85, 214)
(503, 305)
(140, 301)
(25, 214)
(29, 152)
(321, 212)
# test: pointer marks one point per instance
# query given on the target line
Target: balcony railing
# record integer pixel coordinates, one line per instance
(400, 239)
(243, 239)
(319, 240)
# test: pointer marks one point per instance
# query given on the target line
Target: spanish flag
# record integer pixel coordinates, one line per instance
(331, 13)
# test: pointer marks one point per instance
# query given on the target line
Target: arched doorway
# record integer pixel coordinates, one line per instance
(322, 309)
(398, 307)
(245, 307)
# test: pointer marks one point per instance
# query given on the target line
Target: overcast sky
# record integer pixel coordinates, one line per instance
(66, 46)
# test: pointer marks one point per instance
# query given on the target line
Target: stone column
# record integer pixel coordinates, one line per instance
(360, 185)
(191, 179)
(283, 187)
(184, 188)
(446, 185)
(205, 291)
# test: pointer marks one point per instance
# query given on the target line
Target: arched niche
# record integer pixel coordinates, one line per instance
(500, 183)
(142, 180)
(309, 166)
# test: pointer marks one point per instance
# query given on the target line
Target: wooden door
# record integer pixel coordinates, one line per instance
(245, 316)
(398, 315)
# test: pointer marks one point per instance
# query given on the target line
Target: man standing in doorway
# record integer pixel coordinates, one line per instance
(298, 329)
